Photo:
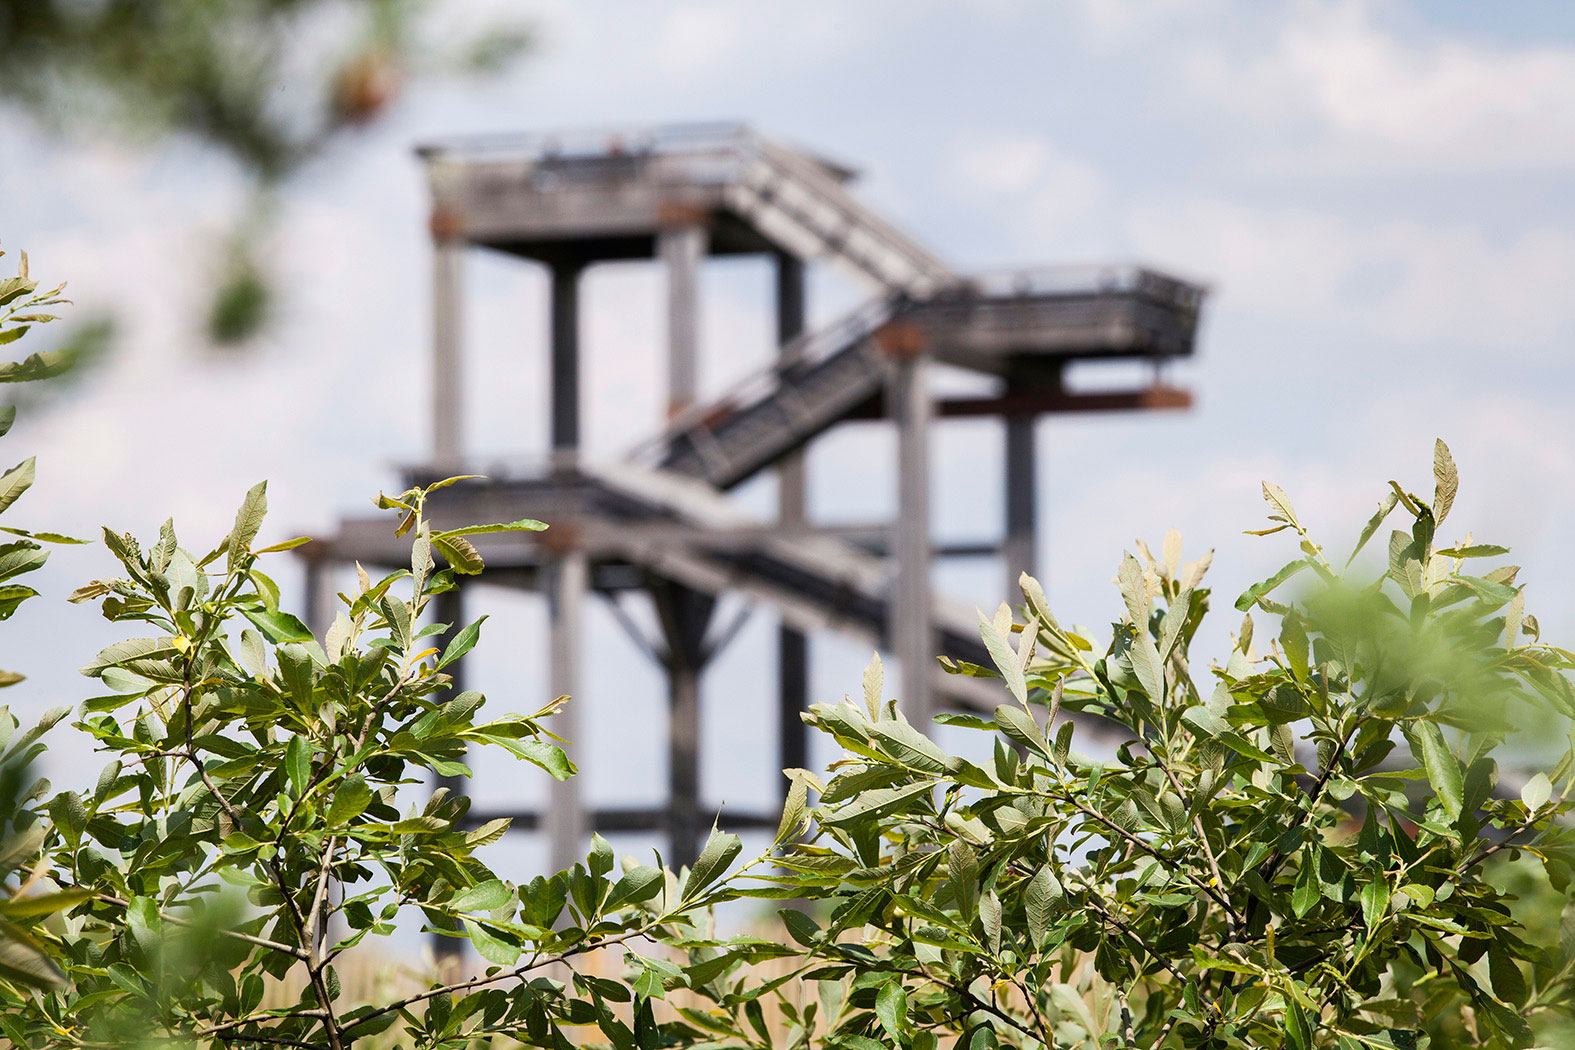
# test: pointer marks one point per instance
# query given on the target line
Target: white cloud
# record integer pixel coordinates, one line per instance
(1373, 99)
(1066, 197)
(1404, 279)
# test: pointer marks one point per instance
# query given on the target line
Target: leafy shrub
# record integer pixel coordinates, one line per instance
(1259, 866)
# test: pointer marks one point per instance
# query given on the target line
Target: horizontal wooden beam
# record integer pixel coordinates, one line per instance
(1049, 402)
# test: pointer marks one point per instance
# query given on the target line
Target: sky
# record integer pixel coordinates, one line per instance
(1377, 192)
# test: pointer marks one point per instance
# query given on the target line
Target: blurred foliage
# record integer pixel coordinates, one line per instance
(1300, 846)
(270, 83)
(27, 897)
(1310, 844)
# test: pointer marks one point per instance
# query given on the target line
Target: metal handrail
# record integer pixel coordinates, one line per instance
(810, 348)
(1089, 279)
(608, 141)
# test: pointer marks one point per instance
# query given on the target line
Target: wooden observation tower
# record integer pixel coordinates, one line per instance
(661, 521)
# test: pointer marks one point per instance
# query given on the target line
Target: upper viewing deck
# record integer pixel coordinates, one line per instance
(595, 196)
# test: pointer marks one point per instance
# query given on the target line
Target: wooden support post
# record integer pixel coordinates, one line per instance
(792, 497)
(449, 608)
(566, 575)
(684, 615)
(565, 363)
(448, 254)
(910, 629)
(682, 249)
(1018, 547)
(317, 603)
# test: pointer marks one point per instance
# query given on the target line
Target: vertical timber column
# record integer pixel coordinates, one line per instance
(565, 570)
(566, 575)
(911, 633)
(316, 574)
(449, 608)
(684, 616)
(565, 363)
(448, 255)
(682, 248)
(792, 488)
(1018, 552)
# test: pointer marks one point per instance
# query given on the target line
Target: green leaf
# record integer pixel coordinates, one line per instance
(1043, 895)
(285, 545)
(990, 919)
(875, 802)
(1508, 981)
(461, 643)
(1375, 903)
(1385, 505)
(638, 885)
(23, 960)
(907, 745)
(490, 946)
(1476, 550)
(1020, 727)
(891, 1008)
(1537, 791)
(720, 850)
(44, 903)
(1307, 892)
(1446, 482)
(485, 896)
(460, 553)
(279, 626)
(298, 763)
(793, 811)
(523, 525)
(132, 649)
(1146, 664)
(248, 520)
(15, 481)
(1250, 596)
(1001, 654)
(350, 800)
(1443, 768)
(874, 678)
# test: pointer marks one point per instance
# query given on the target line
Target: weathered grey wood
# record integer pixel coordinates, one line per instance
(679, 195)
(792, 513)
(682, 249)
(448, 256)
(565, 580)
(449, 608)
(1020, 488)
(912, 635)
(684, 614)
(565, 366)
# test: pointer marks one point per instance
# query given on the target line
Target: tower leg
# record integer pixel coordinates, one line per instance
(565, 363)
(449, 608)
(448, 256)
(566, 577)
(684, 615)
(1018, 548)
(792, 491)
(682, 248)
(911, 628)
